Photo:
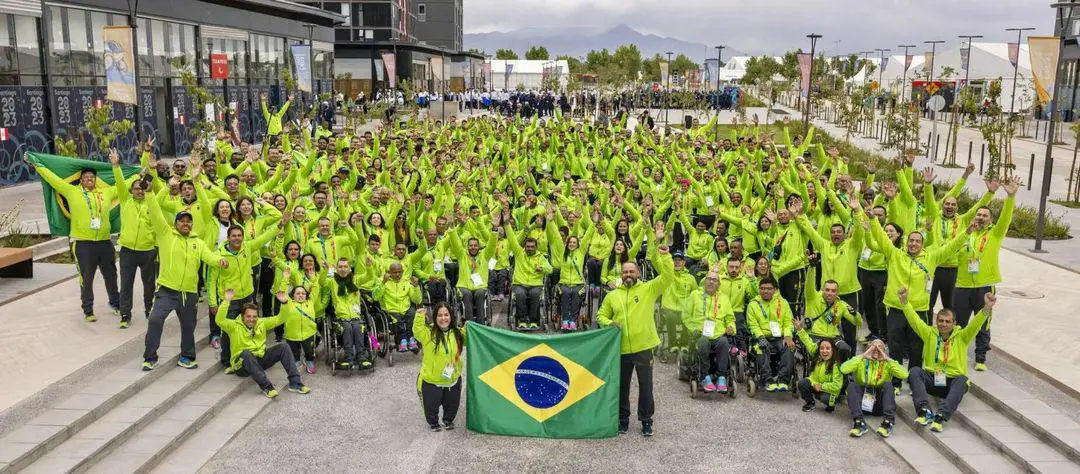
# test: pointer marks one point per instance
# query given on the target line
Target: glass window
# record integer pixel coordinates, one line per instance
(175, 52)
(358, 14)
(146, 63)
(98, 21)
(345, 11)
(342, 34)
(26, 41)
(238, 68)
(187, 37)
(158, 46)
(82, 57)
(8, 59)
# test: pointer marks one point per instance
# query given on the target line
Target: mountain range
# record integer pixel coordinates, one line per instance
(578, 41)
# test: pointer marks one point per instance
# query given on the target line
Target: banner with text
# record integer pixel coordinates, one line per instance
(663, 73)
(119, 65)
(1043, 51)
(390, 65)
(805, 61)
(1014, 53)
(301, 56)
(907, 61)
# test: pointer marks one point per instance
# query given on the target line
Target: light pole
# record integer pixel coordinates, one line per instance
(903, 87)
(719, 56)
(667, 92)
(1016, 66)
(951, 153)
(810, 88)
(311, 72)
(930, 81)
(1064, 11)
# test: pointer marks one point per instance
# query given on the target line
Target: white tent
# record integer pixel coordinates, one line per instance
(526, 73)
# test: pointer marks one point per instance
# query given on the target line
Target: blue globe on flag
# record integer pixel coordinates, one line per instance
(541, 382)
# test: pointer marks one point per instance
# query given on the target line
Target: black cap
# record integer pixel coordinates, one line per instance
(182, 214)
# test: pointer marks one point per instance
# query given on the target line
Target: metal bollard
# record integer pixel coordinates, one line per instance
(982, 156)
(970, 146)
(1036, 135)
(1031, 171)
(937, 141)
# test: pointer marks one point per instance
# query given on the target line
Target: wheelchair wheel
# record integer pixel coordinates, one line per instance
(693, 388)
(330, 347)
(740, 368)
(384, 335)
(751, 387)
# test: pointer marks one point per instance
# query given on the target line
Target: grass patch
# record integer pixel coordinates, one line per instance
(64, 258)
(747, 100)
(1068, 204)
(21, 240)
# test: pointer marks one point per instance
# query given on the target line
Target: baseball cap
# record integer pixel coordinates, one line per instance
(182, 214)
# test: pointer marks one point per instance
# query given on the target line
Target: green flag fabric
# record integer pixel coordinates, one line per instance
(69, 169)
(548, 386)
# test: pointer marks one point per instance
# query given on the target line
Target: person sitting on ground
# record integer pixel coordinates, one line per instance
(250, 355)
(870, 390)
(825, 380)
(944, 368)
(439, 382)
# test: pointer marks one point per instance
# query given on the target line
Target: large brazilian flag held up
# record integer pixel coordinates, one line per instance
(69, 169)
(549, 386)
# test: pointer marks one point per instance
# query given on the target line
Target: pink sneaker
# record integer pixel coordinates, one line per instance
(565, 327)
(573, 326)
(215, 342)
(721, 384)
(311, 367)
(708, 386)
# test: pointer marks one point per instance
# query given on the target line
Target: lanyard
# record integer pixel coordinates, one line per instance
(877, 376)
(304, 313)
(97, 197)
(715, 304)
(779, 310)
(919, 264)
(982, 244)
(955, 227)
(333, 248)
(943, 353)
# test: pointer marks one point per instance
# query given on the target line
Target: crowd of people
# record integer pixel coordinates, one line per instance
(732, 246)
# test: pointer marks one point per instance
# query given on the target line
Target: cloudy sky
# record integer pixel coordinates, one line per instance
(773, 26)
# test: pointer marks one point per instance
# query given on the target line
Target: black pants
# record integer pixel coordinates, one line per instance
(642, 363)
(776, 348)
(806, 391)
(884, 400)
(166, 301)
(922, 386)
(308, 346)
(353, 339)
(713, 353)
(433, 396)
(474, 304)
(527, 303)
(256, 366)
(872, 300)
(791, 288)
(592, 267)
(498, 279)
(903, 342)
(436, 291)
(91, 255)
(967, 302)
(848, 330)
(145, 262)
(404, 322)
(571, 302)
(944, 285)
(232, 312)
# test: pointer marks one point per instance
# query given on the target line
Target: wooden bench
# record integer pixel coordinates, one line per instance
(16, 263)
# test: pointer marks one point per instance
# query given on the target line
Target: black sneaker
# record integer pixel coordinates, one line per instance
(624, 427)
(830, 408)
(646, 429)
(808, 406)
(448, 425)
(435, 428)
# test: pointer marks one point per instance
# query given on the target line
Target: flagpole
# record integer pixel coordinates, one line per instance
(1016, 66)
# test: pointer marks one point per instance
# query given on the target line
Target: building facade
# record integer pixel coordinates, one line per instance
(52, 69)
(411, 32)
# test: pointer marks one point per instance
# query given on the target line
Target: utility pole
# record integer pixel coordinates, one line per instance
(1016, 67)
(810, 89)
(667, 92)
(903, 86)
(719, 56)
(311, 75)
(930, 81)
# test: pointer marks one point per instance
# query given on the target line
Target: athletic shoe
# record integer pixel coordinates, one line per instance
(896, 391)
(938, 424)
(90, 318)
(721, 384)
(624, 426)
(858, 429)
(310, 366)
(435, 428)
(125, 323)
(270, 393)
(885, 429)
(707, 385)
(925, 417)
(231, 370)
(808, 406)
(365, 364)
(413, 345)
(782, 387)
(149, 365)
(646, 429)
(573, 326)
(534, 326)
(771, 387)
(980, 366)
(522, 325)
(115, 310)
(344, 365)
(215, 342)
(187, 363)
(830, 408)
(299, 388)
(403, 346)
(448, 425)
(565, 326)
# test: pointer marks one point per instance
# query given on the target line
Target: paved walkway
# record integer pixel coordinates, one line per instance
(45, 274)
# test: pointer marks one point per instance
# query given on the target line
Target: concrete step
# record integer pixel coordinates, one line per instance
(913, 449)
(1012, 439)
(64, 420)
(116, 427)
(190, 455)
(968, 451)
(157, 439)
(1042, 421)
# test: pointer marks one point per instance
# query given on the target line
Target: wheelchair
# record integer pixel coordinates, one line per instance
(688, 370)
(512, 316)
(333, 347)
(459, 307)
(388, 333)
(799, 358)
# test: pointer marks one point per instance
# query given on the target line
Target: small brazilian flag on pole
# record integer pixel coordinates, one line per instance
(548, 386)
(70, 170)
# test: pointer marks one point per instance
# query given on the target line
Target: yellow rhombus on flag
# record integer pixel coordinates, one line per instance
(579, 382)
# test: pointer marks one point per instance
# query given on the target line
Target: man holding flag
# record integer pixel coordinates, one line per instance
(630, 307)
(89, 204)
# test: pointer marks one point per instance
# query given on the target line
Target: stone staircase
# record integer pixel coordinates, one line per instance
(132, 421)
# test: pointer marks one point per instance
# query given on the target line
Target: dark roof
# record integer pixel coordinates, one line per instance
(327, 18)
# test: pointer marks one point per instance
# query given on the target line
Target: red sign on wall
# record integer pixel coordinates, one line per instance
(219, 66)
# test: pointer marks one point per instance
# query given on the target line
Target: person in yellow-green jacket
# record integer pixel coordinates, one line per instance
(825, 380)
(439, 383)
(180, 251)
(770, 319)
(825, 313)
(473, 273)
(345, 298)
(630, 307)
(249, 355)
(273, 117)
(673, 302)
(870, 388)
(527, 282)
(137, 250)
(944, 363)
(398, 296)
(569, 256)
(736, 286)
(978, 270)
(708, 316)
(300, 313)
(89, 204)
(839, 262)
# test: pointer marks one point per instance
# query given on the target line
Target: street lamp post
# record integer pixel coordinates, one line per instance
(667, 92)
(1016, 66)
(1064, 11)
(810, 89)
(951, 153)
(311, 72)
(903, 87)
(719, 56)
(930, 81)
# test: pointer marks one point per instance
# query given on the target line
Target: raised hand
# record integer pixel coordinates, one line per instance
(114, 157)
(1012, 186)
(902, 295)
(993, 185)
(928, 174)
(970, 168)
(229, 294)
(281, 297)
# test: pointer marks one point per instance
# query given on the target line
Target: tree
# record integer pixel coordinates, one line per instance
(505, 54)
(537, 53)
(628, 60)
(596, 60)
(651, 68)
(477, 51)
(576, 66)
(682, 65)
(760, 69)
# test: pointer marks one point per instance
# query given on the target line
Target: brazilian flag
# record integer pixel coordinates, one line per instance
(69, 169)
(548, 386)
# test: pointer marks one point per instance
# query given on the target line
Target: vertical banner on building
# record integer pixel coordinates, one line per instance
(1043, 51)
(884, 63)
(928, 62)
(301, 56)
(965, 58)
(390, 65)
(1014, 53)
(663, 73)
(467, 75)
(119, 65)
(805, 61)
(219, 66)
(436, 63)
(907, 61)
(485, 72)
